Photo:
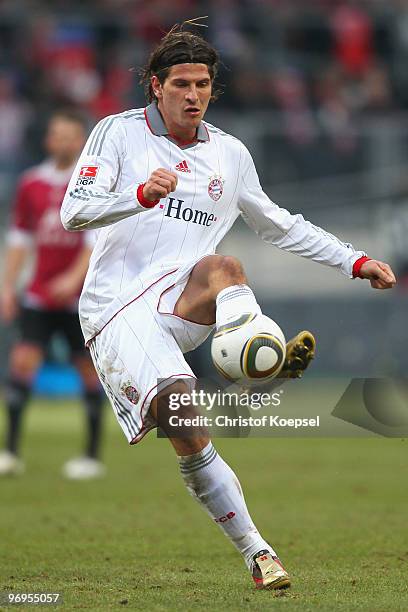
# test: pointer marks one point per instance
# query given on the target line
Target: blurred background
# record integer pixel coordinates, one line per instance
(318, 91)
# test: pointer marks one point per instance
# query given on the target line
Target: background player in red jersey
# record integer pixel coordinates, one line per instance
(50, 300)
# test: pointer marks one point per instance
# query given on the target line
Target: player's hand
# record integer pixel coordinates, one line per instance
(63, 288)
(8, 304)
(160, 184)
(379, 274)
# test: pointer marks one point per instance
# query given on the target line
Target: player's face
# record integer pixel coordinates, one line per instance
(183, 98)
(64, 140)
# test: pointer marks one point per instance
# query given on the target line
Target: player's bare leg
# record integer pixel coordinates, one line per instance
(88, 466)
(25, 359)
(217, 291)
(208, 277)
(215, 486)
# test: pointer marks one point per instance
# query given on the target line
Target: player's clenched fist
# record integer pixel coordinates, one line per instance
(379, 274)
(160, 184)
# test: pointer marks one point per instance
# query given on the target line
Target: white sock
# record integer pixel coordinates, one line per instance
(233, 301)
(212, 482)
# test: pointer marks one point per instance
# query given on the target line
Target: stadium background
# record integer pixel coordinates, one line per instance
(319, 93)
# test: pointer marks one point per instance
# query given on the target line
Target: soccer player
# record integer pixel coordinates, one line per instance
(163, 187)
(49, 303)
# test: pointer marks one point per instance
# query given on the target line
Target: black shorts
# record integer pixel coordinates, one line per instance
(38, 326)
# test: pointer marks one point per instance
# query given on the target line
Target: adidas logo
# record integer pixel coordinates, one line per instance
(183, 167)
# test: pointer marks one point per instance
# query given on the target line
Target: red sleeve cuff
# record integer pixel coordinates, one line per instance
(357, 265)
(142, 200)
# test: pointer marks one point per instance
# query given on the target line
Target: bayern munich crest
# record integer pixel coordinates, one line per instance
(215, 187)
(131, 393)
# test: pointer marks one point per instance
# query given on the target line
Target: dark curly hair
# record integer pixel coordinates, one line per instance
(178, 47)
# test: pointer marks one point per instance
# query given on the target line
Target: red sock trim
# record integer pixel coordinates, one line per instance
(142, 200)
(357, 265)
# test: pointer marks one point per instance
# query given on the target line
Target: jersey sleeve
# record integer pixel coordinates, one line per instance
(289, 232)
(21, 228)
(92, 200)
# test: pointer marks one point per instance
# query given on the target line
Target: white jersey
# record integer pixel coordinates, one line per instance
(136, 246)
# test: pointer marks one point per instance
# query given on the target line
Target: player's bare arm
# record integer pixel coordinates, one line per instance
(66, 285)
(14, 262)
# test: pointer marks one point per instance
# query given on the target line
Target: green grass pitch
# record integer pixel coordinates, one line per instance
(335, 509)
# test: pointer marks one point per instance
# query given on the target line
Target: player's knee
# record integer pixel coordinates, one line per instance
(232, 269)
(227, 266)
(25, 361)
(168, 400)
(91, 382)
(176, 414)
(87, 373)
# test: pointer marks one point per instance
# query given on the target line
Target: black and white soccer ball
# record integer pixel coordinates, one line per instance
(249, 350)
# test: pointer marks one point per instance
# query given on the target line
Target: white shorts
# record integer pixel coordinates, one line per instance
(140, 352)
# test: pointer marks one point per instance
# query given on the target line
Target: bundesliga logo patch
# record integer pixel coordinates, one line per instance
(215, 187)
(87, 175)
